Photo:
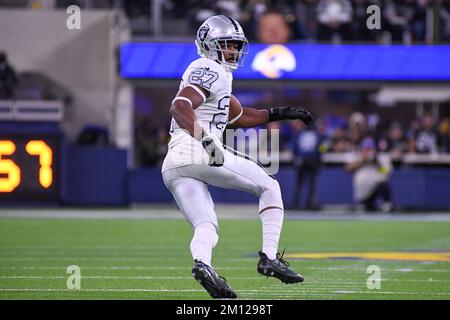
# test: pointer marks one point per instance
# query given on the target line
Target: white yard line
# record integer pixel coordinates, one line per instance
(343, 269)
(249, 292)
(383, 280)
(99, 290)
(318, 283)
(118, 277)
(80, 259)
(310, 280)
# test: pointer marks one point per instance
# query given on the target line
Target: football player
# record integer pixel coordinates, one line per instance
(202, 108)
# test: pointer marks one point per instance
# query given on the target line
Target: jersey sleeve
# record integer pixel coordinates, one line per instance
(206, 74)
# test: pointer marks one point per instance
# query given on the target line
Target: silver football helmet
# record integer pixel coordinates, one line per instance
(213, 38)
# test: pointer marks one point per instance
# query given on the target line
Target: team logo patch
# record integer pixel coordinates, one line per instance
(274, 61)
(203, 32)
(399, 256)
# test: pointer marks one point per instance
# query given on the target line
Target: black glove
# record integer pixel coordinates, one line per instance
(216, 157)
(282, 113)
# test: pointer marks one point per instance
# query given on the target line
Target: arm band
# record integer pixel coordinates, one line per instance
(182, 98)
(198, 90)
(237, 117)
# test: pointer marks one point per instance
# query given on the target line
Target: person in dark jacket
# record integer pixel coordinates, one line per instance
(8, 78)
(306, 149)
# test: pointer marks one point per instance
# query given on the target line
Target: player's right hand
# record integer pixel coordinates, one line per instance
(215, 153)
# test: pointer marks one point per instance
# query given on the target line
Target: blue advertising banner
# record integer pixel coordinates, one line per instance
(298, 62)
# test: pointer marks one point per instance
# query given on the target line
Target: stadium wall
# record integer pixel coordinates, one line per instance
(99, 176)
(81, 61)
(412, 188)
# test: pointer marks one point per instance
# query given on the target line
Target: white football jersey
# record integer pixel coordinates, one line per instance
(212, 114)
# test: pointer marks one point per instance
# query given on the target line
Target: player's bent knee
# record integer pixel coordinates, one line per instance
(272, 186)
(271, 196)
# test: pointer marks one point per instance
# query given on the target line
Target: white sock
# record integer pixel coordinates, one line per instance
(204, 240)
(272, 221)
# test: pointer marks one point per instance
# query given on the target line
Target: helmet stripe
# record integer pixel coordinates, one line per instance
(236, 28)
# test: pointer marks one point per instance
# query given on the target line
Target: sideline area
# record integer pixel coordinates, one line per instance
(232, 212)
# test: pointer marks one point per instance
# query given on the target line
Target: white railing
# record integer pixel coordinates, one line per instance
(31, 110)
(346, 157)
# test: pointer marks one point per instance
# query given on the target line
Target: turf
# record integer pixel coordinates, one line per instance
(150, 259)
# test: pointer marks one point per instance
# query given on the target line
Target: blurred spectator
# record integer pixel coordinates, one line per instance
(151, 144)
(371, 177)
(306, 13)
(199, 11)
(397, 15)
(444, 16)
(93, 135)
(419, 20)
(425, 140)
(358, 127)
(413, 128)
(340, 142)
(335, 17)
(444, 136)
(332, 122)
(273, 28)
(8, 78)
(306, 148)
(394, 142)
(229, 8)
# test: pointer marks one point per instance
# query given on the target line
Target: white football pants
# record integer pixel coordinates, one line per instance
(189, 186)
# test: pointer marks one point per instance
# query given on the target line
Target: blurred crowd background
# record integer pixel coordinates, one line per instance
(403, 21)
(409, 128)
(321, 20)
(358, 123)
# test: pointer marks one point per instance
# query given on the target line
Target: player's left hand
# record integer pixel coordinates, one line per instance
(281, 113)
(298, 113)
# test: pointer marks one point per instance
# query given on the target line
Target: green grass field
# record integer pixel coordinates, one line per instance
(150, 259)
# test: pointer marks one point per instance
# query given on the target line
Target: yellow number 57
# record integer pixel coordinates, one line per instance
(12, 172)
(8, 168)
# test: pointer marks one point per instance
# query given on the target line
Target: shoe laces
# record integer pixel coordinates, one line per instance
(280, 258)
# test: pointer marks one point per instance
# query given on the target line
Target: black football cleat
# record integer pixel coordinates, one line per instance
(214, 284)
(277, 268)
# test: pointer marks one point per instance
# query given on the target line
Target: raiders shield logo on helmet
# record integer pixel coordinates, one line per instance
(203, 32)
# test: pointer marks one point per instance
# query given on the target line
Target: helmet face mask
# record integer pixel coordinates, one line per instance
(221, 38)
(236, 56)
